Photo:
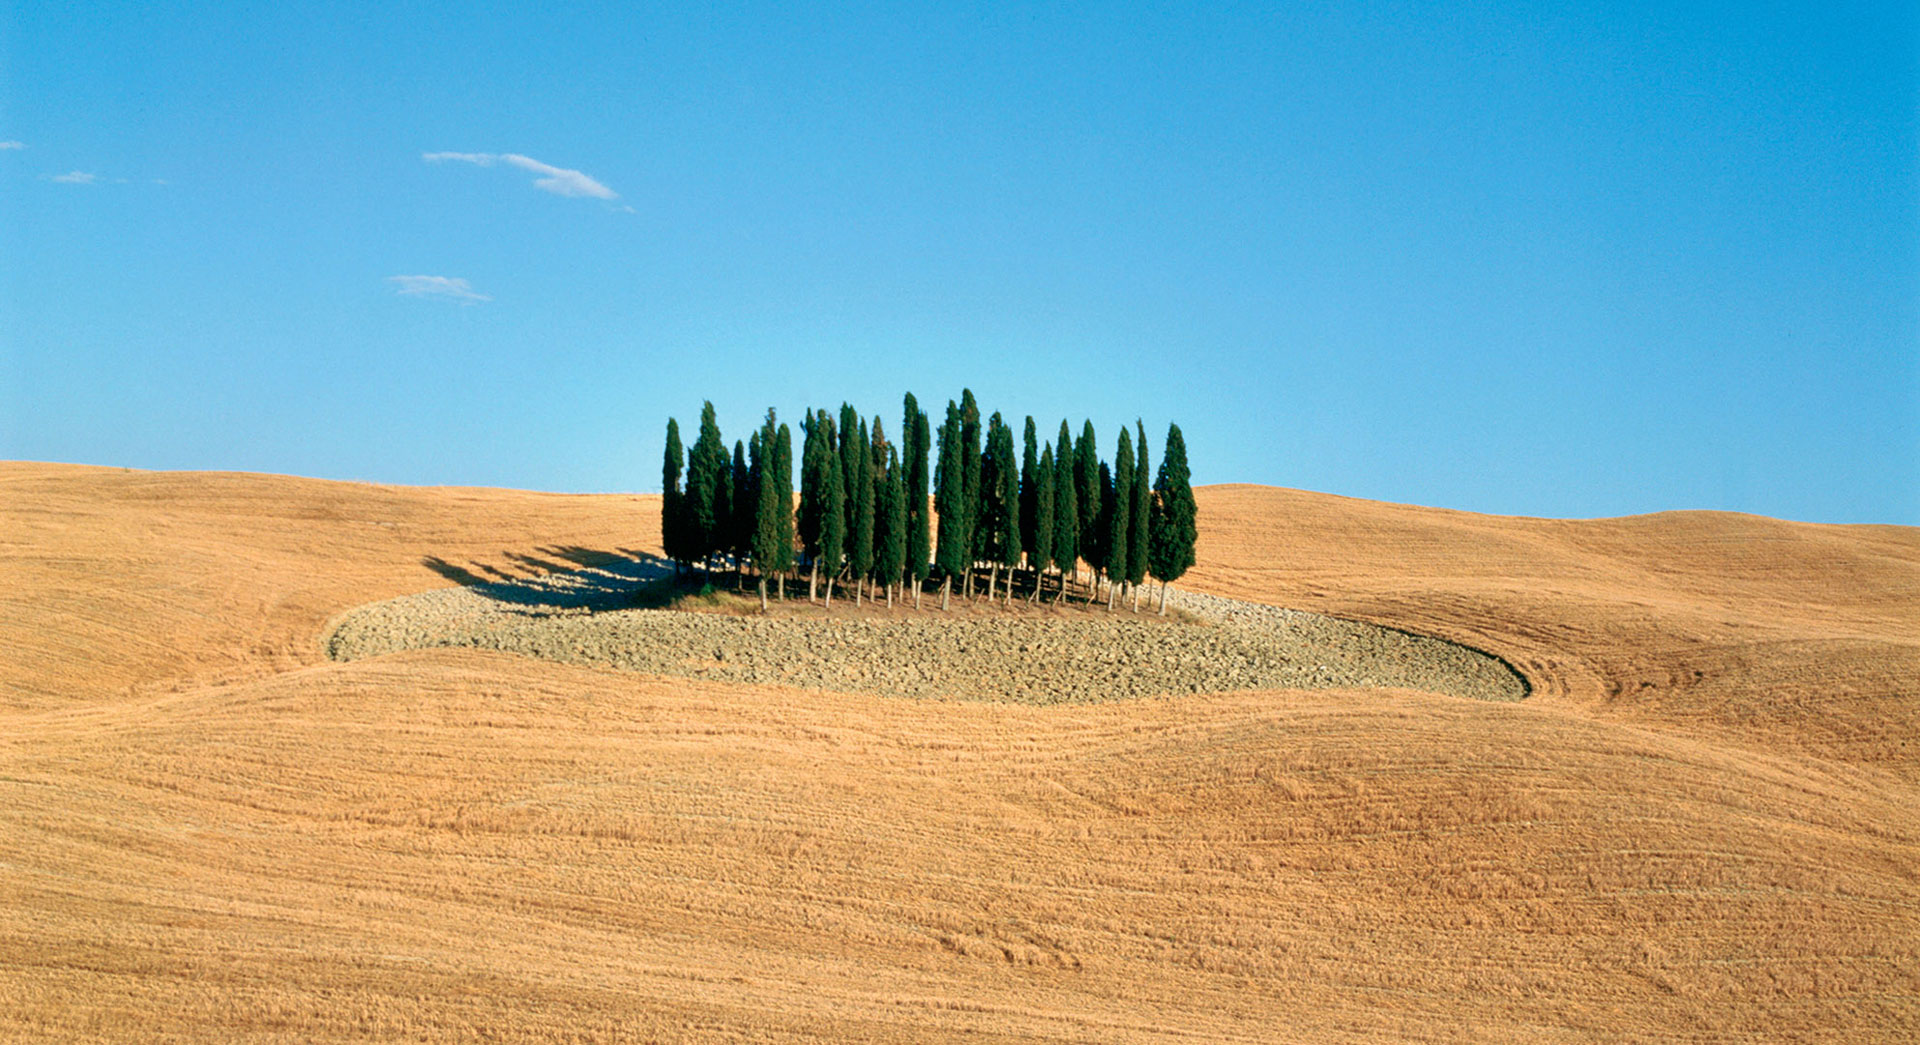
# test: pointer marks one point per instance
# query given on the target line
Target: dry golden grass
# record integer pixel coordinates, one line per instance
(1701, 827)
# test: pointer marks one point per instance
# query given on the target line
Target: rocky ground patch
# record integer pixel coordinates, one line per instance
(585, 617)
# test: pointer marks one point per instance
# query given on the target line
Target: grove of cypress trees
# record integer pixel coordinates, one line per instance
(890, 526)
(673, 501)
(919, 532)
(1170, 545)
(860, 511)
(1137, 513)
(1119, 516)
(707, 474)
(1040, 556)
(1066, 513)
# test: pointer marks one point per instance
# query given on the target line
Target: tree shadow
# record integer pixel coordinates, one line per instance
(606, 580)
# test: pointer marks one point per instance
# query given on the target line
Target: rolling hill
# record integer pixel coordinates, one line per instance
(1703, 824)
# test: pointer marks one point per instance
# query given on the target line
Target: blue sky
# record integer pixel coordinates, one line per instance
(1566, 260)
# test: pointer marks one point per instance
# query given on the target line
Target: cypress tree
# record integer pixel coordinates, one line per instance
(673, 501)
(743, 507)
(1103, 529)
(816, 452)
(1066, 514)
(860, 511)
(1141, 505)
(1086, 490)
(1119, 516)
(766, 526)
(1006, 498)
(1066, 508)
(783, 505)
(890, 527)
(952, 504)
(989, 510)
(970, 481)
(1029, 494)
(1170, 545)
(919, 533)
(833, 517)
(918, 521)
(1040, 556)
(850, 448)
(707, 475)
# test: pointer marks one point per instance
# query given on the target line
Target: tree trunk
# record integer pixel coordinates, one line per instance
(1136, 597)
(782, 582)
(946, 588)
(889, 598)
(916, 593)
(1163, 598)
(1109, 596)
(858, 585)
(829, 591)
(993, 581)
(813, 583)
(763, 593)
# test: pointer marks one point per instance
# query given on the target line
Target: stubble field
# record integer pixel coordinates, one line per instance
(1701, 825)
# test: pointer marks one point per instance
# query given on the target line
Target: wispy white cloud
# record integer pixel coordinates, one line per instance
(558, 180)
(449, 287)
(7, 145)
(75, 178)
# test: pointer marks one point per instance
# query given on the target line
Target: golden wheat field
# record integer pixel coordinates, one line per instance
(1704, 824)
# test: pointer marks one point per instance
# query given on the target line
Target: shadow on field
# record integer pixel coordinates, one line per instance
(564, 576)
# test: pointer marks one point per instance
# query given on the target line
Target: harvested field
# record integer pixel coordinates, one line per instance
(1701, 825)
(1027, 656)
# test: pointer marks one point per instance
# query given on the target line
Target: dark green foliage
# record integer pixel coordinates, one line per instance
(707, 475)
(1066, 507)
(782, 481)
(919, 533)
(1000, 495)
(743, 504)
(860, 503)
(1029, 494)
(952, 554)
(816, 457)
(673, 508)
(1173, 534)
(1040, 556)
(851, 448)
(1119, 510)
(833, 512)
(890, 524)
(769, 504)
(1086, 492)
(970, 480)
(1138, 511)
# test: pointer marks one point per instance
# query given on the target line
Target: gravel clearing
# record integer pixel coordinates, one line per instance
(581, 618)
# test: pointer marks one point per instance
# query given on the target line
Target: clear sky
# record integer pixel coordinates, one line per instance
(1544, 259)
